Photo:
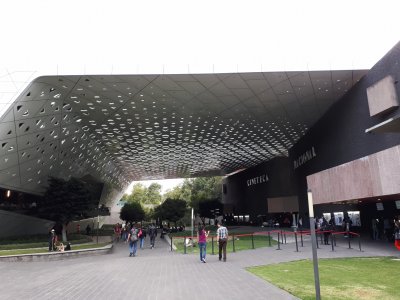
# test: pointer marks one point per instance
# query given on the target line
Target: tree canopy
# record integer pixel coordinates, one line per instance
(153, 194)
(196, 190)
(65, 201)
(171, 209)
(132, 212)
(144, 195)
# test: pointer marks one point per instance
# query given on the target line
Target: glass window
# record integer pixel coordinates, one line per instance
(338, 218)
(327, 216)
(355, 217)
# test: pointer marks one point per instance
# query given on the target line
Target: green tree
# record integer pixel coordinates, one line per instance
(172, 210)
(132, 212)
(139, 193)
(153, 194)
(65, 201)
(205, 188)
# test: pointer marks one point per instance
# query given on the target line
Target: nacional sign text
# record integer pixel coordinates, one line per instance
(305, 157)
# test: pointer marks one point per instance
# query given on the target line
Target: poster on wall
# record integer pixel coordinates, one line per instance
(327, 216)
(338, 218)
(355, 217)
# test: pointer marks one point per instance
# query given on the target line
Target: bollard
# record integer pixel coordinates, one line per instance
(171, 242)
(321, 237)
(332, 238)
(285, 236)
(316, 239)
(252, 240)
(301, 238)
(335, 240)
(212, 245)
(359, 242)
(279, 242)
(269, 238)
(295, 238)
(233, 242)
(281, 235)
(184, 244)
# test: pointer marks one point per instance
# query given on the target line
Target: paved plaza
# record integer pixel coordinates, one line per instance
(160, 274)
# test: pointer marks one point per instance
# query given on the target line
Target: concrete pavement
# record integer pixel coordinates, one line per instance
(159, 274)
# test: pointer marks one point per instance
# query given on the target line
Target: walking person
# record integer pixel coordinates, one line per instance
(152, 231)
(202, 241)
(133, 240)
(222, 240)
(142, 237)
(117, 232)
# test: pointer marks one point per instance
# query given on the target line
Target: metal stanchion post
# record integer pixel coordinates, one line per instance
(212, 245)
(252, 240)
(314, 248)
(316, 240)
(279, 242)
(285, 236)
(359, 242)
(301, 238)
(348, 237)
(233, 242)
(269, 238)
(332, 238)
(295, 238)
(184, 244)
(171, 242)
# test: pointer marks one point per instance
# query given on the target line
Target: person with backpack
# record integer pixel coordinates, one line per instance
(152, 231)
(132, 241)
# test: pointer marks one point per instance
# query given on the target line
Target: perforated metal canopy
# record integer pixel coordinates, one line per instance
(138, 127)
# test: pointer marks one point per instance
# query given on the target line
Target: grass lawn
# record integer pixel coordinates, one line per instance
(340, 278)
(45, 250)
(38, 242)
(241, 243)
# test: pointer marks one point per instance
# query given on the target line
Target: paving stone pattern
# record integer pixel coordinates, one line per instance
(158, 274)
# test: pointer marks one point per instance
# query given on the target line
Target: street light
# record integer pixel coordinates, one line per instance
(314, 245)
(98, 223)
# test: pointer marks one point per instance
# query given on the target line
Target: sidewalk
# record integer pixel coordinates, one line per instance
(161, 274)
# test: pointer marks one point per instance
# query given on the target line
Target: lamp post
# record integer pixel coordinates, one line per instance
(192, 221)
(314, 245)
(98, 223)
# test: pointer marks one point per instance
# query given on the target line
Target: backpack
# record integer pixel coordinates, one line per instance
(133, 237)
(140, 233)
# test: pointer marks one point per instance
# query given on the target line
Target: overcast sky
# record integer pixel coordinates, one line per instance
(50, 37)
(150, 36)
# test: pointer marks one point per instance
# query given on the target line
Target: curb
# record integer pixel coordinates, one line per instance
(52, 256)
(168, 240)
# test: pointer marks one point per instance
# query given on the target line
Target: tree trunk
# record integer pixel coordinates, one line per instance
(64, 232)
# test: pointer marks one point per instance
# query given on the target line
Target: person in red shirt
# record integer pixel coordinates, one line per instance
(202, 241)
